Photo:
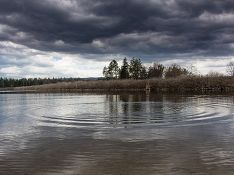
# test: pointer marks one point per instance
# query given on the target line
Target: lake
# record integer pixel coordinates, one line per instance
(124, 134)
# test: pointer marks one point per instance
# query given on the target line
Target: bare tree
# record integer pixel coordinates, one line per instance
(230, 68)
(156, 71)
(175, 71)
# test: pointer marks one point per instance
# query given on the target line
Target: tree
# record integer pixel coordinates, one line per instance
(124, 70)
(175, 71)
(156, 71)
(135, 68)
(112, 71)
(11, 82)
(230, 68)
(105, 72)
(143, 73)
(193, 70)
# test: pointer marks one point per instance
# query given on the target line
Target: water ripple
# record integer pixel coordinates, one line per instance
(118, 113)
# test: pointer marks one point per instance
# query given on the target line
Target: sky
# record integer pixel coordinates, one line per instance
(77, 38)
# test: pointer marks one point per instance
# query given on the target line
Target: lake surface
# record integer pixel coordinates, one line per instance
(138, 134)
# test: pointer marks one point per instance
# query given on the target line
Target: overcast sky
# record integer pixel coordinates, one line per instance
(77, 38)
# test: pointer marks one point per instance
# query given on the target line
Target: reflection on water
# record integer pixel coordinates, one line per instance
(116, 134)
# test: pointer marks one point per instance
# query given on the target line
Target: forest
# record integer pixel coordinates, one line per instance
(12, 82)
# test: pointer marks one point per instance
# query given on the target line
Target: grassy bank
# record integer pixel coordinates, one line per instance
(181, 84)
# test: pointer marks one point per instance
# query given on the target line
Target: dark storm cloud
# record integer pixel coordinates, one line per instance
(151, 27)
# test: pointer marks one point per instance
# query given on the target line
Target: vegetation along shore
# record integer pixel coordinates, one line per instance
(133, 76)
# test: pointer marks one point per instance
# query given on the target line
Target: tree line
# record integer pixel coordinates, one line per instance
(128, 70)
(11, 82)
(136, 70)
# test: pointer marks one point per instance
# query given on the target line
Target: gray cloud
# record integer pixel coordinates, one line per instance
(146, 28)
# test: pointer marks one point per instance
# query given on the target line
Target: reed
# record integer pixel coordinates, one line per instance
(179, 84)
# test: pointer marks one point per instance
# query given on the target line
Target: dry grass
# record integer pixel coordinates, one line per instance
(181, 84)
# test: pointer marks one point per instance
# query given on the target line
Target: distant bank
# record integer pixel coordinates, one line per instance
(193, 84)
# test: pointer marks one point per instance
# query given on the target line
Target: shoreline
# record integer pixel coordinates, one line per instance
(195, 85)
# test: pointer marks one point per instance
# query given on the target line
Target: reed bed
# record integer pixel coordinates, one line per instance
(180, 84)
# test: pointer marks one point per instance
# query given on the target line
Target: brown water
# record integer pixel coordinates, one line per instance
(75, 134)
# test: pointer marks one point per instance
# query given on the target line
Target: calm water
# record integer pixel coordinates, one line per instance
(74, 134)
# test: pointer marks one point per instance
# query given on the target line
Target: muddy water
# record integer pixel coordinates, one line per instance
(91, 134)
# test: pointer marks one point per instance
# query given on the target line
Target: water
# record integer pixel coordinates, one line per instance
(75, 134)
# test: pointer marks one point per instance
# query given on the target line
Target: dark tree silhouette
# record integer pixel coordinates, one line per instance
(124, 70)
(143, 73)
(10, 82)
(135, 68)
(175, 71)
(156, 71)
(112, 71)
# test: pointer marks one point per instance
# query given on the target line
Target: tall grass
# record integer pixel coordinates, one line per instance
(180, 84)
